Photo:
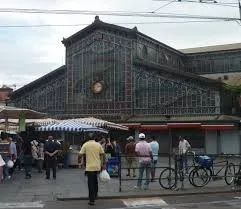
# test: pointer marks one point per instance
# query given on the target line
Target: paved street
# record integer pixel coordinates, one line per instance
(215, 201)
(71, 186)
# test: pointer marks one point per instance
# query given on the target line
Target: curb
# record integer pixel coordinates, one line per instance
(151, 195)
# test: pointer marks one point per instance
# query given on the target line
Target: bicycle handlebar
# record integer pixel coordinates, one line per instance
(192, 152)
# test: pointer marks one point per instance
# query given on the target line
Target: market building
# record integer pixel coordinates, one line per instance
(122, 75)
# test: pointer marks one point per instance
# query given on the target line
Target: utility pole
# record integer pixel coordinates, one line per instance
(239, 6)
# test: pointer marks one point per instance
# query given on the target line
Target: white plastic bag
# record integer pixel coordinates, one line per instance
(2, 162)
(104, 176)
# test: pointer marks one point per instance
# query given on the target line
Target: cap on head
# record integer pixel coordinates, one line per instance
(130, 138)
(142, 136)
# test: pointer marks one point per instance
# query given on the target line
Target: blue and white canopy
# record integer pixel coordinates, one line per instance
(70, 126)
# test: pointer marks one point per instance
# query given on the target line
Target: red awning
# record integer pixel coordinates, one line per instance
(218, 127)
(153, 127)
(131, 125)
(184, 125)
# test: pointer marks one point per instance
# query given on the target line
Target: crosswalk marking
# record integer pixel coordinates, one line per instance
(5, 205)
(139, 202)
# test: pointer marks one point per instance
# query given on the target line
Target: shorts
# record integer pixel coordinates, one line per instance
(131, 162)
(153, 163)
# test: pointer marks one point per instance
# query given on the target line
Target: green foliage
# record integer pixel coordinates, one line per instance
(234, 89)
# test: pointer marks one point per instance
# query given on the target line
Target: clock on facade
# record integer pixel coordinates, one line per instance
(97, 87)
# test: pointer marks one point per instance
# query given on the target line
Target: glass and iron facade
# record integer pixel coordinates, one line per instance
(117, 73)
(214, 62)
(47, 94)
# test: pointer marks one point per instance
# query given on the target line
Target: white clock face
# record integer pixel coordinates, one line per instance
(98, 87)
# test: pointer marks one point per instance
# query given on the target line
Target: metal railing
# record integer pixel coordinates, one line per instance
(171, 170)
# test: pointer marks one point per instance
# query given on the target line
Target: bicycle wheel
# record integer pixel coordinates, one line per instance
(229, 174)
(199, 177)
(167, 178)
(190, 177)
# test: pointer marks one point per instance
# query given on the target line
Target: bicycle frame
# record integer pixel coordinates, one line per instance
(213, 174)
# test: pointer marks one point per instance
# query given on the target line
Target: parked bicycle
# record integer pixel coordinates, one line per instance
(204, 171)
(170, 177)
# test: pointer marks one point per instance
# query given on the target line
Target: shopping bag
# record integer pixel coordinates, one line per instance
(2, 162)
(104, 176)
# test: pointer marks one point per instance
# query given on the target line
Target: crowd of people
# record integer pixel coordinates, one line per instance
(141, 154)
(22, 155)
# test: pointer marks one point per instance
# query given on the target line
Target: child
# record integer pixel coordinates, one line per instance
(2, 163)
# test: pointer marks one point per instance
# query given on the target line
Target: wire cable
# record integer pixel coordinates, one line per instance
(163, 6)
(114, 13)
(124, 23)
(215, 3)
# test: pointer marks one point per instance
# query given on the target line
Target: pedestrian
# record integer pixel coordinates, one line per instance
(5, 152)
(117, 149)
(27, 158)
(143, 150)
(94, 158)
(40, 157)
(13, 153)
(183, 148)
(19, 161)
(130, 154)
(155, 151)
(51, 150)
(109, 149)
(65, 152)
(2, 163)
(35, 148)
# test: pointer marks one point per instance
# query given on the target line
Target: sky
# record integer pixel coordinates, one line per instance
(28, 53)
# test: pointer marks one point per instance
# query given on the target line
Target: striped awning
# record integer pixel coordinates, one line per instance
(70, 126)
(100, 123)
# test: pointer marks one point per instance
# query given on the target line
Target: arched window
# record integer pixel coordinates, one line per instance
(144, 52)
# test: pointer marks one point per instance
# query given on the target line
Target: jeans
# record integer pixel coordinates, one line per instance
(183, 163)
(147, 168)
(27, 159)
(92, 185)
(40, 165)
(5, 167)
(66, 159)
(1, 173)
(153, 169)
(51, 163)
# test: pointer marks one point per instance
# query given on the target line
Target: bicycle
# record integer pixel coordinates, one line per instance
(169, 177)
(205, 171)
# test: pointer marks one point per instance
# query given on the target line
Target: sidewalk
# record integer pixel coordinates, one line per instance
(72, 184)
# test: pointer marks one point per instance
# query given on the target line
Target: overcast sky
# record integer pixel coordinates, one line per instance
(29, 53)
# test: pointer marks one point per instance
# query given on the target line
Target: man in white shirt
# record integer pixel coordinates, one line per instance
(184, 146)
(155, 151)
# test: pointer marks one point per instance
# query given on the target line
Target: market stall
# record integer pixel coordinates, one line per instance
(72, 127)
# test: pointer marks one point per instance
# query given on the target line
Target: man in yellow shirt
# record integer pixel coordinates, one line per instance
(94, 156)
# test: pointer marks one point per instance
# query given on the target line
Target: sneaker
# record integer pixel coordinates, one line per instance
(137, 187)
(91, 203)
(9, 177)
